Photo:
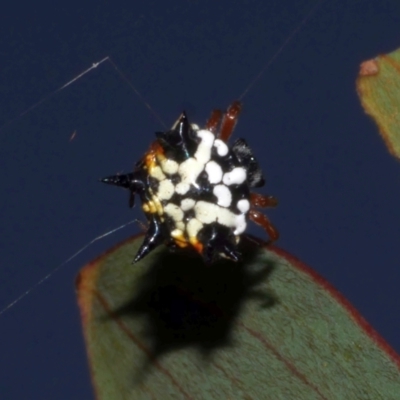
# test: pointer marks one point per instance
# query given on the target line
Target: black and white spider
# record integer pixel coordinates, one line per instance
(196, 190)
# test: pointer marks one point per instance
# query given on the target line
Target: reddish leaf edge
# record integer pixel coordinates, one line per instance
(89, 269)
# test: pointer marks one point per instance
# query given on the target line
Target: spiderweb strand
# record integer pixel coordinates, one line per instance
(58, 267)
(123, 76)
(94, 65)
(47, 97)
(80, 75)
(283, 46)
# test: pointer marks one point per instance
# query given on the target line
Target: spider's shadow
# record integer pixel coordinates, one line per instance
(187, 304)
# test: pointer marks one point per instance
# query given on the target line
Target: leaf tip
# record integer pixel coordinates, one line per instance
(369, 67)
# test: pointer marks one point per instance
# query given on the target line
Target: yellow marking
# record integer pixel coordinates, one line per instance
(158, 205)
(181, 243)
(179, 238)
(152, 207)
(177, 234)
(150, 158)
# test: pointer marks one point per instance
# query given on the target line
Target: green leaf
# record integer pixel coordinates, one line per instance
(378, 86)
(268, 328)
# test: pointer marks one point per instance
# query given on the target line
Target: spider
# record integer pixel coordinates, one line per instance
(196, 190)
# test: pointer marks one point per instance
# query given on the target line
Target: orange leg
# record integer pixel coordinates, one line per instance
(260, 200)
(262, 220)
(229, 120)
(214, 121)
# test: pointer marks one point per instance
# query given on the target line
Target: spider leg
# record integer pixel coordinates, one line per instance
(229, 120)
(214, 121)
(260, 200)
(262, 220)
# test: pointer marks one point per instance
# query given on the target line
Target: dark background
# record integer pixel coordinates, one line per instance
(339, 190)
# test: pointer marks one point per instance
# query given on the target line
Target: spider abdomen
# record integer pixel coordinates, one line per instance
(207, 187)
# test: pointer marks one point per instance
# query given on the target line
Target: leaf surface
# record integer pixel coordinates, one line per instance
(267, 328)
(378, 86)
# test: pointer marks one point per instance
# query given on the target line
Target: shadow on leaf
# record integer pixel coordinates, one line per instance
(188, 304)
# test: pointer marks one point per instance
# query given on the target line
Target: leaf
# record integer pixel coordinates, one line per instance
(378, 86)
(268, 328)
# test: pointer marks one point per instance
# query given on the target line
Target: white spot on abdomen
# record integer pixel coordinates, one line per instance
(165, 190)
(180, 225)
(187, 204)
(206, 212)
(169, 166)
(240, 224)
(214, 172)
(189, 170)
(235, 177)
(193, 227)
(222, 148)
(182, 188)
(203, 152)
(174, 212)
(243, 206)
(226, 217)
(157, 173)
(223, 195)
